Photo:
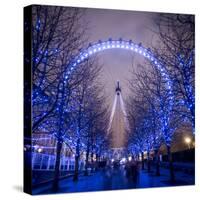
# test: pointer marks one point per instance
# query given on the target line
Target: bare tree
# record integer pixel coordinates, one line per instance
(176, 51)
(57, 37)
(156, 120)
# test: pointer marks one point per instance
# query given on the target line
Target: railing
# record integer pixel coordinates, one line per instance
(47, 162)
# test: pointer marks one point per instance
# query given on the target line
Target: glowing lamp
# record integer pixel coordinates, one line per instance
(188, 140)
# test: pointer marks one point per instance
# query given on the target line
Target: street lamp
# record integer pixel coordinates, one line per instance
(188, 141)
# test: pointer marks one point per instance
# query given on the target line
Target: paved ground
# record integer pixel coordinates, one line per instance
(113, 179)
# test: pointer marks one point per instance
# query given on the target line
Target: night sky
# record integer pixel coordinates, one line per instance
(115, 24)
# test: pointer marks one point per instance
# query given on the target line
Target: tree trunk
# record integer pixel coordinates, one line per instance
(92, 161)
(77, 160)
(171, 167)
(59, 145)
(92, 153)
(86, 160)
(97, 157)
(148, 162)
(157, 162)
(97, 162)
(57, 166)
(142, 160)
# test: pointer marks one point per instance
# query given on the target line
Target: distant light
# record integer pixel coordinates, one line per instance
(112, 160)
(123, 160)
(39, 150)
(188, 140)
(129, 158)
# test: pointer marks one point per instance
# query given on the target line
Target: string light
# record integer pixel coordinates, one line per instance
(84, 54)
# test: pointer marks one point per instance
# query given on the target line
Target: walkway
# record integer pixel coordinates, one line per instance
(114, 179)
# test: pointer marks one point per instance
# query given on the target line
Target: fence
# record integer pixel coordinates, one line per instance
(42, 161)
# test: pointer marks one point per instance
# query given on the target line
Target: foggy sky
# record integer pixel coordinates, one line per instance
(115, 24)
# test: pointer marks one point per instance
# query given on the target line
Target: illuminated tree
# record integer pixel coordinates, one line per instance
(158, 123)
(89, 107)
(57, 36)
(177, 50)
